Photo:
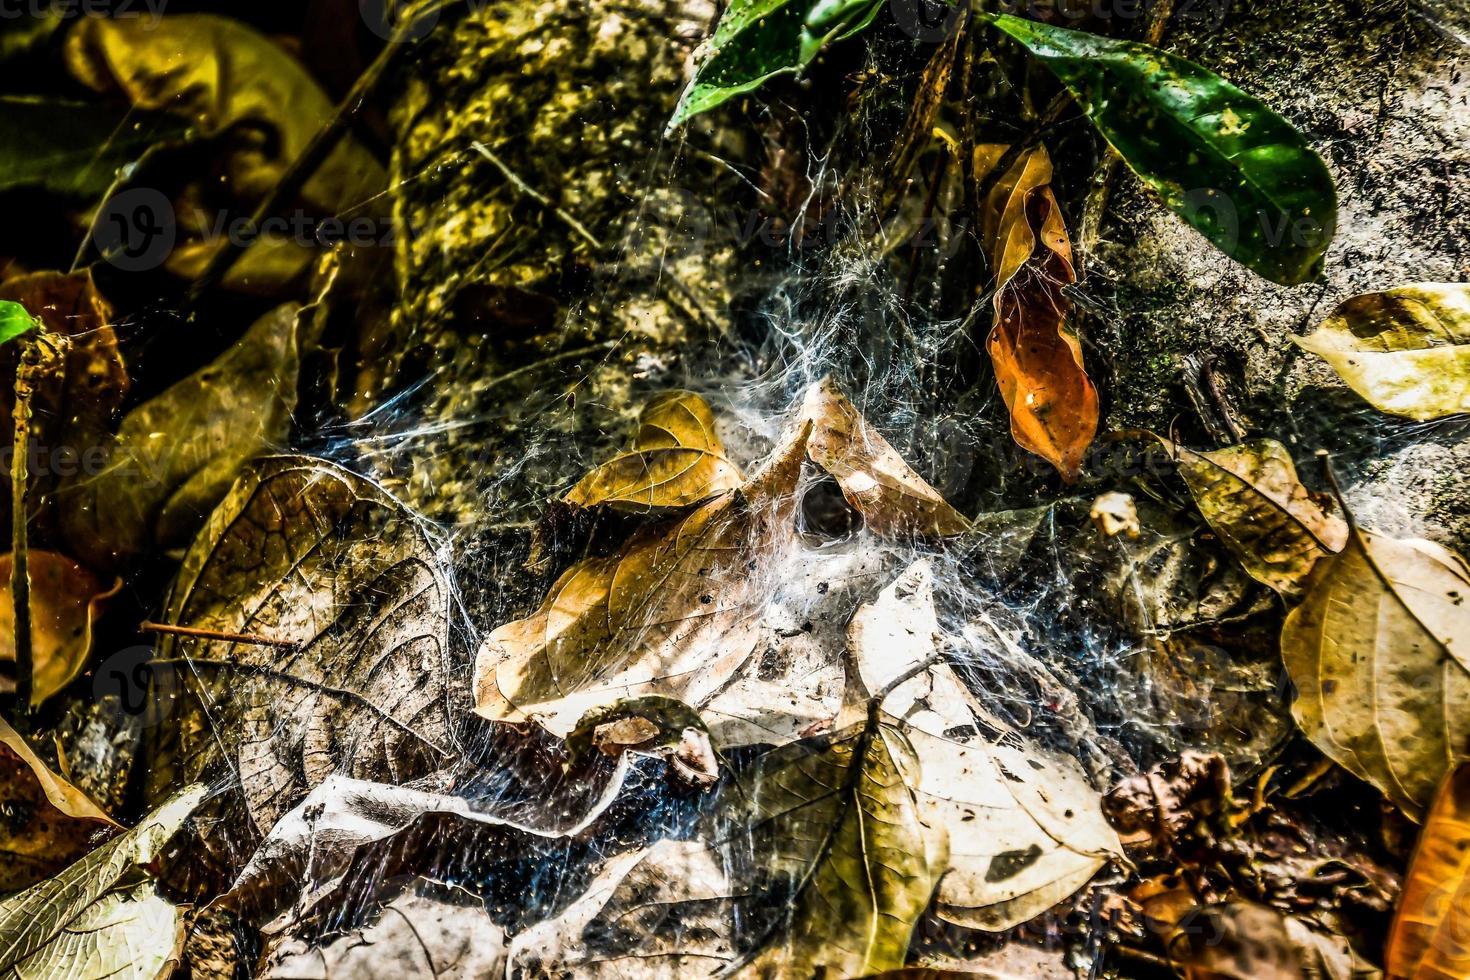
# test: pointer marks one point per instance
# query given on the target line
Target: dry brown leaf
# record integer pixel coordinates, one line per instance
(1115, 513)
(1251, 497)
(226, 77)
(875, 480)
(133, 934)
(1244, 941)
(1037, 358)
(676, 460)
(1377, 651)
(1430, 938)
(52, 820)
(304, 552)
(65, 602)
(670, 613)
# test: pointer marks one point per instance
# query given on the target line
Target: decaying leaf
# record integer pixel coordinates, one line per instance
(223, 76)
(176, 455)
(1405, 350)
(652, 726)
(1115, 513)
(135, 934)
(1038, 359)
(50, 821)
(432, 932)
(875, 480)
(1251, 497)
(74, 148)
(1244, 941)
(1376, 651)
(65, 602)
(1429, 939)
(33, 919)
(1025, 827)
(304, 553)
(670, 613)
(676, 460)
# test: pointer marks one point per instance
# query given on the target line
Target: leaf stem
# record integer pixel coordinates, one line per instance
(20, 581)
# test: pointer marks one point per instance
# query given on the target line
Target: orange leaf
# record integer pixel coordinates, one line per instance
(1430, 938)
(65, 599)
(1038, 360)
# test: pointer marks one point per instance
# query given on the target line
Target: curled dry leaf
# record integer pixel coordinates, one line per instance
(175, 455)
(1038, 359)
(33, 919)
(1405, 350)
(1428, 940)
(1025, 827)
(225, 77)
(1251, 497)
(671, 613)
(65, 601)
(875, 480)
(427, 934)
(653, 726)
(1376, 651)
(135, 934)
(676, 460)
(305, 553)
(53, 820)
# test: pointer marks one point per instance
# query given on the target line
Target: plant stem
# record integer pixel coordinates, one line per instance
(20, 581)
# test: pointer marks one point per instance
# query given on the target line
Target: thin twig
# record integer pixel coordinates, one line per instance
(285, 678)
(203, 634)
(536, 195)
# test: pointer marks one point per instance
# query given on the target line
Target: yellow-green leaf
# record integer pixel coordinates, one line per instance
(1405, 350)
(1377, 651)
(1251, 497)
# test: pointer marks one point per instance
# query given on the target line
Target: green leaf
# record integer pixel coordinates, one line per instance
(73, 148)
(1221, 160)
(14, 320)
(759, 39)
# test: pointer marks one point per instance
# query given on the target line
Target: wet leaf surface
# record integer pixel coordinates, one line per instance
(1218, 157)
(1406, 350)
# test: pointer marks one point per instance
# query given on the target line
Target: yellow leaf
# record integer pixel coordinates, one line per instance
(1405, 350)
(875, 480)
(1377, 653)
(65, 601)
(1430, 937)
(1037, 358)
(52, 819)
(675, 460)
